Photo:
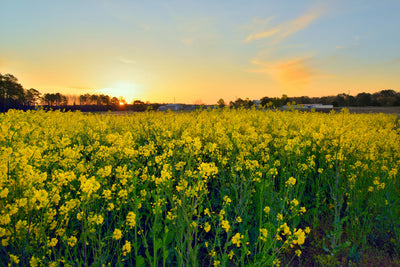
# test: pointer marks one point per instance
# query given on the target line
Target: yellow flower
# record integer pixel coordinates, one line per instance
(238, 219)
(267, 209)
(171, 216)
(225, 225)
(276, 262)
(53, 242)
(212, 253)
(90, 185)
(286, 229)
(72, 241)
(236, 239)
(221, 214)
(307, 230)
(207, 212)
(291, 181)
(99, 219)
(107, 194)
(126, 248)
(279, 217)
(4, 242)
(300, 237)
(131, 219)
(79, 216)
(231, 254)
(14, 259)
(227, 200)
(117, 235)
(96, 219)
(370, 189)
(298, 252)
(207, 227)
(34, 262)
(4, 193)
(110, 206)
(122, 193)
(263, 234)
(294, 202)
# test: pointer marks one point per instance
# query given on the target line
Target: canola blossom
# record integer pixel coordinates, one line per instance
(212, 187)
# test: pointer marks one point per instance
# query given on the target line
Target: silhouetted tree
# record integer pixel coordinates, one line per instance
(221, 103)
(363, 99)
(284, 100)
(94, 99)
(11, 92)
(83, 99)
(32, 97)
(386, 98)
(58, 99)
(114, 102)
(104, 99)
(265, 101)
(48, 99)
(339, 100)
(139, 105)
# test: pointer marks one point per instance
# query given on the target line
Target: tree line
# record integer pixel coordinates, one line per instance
(383, 98)
(14, 96)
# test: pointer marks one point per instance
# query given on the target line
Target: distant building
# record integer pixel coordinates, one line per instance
(180, 107)
(173, 107)
(257, 103)
(309, 106)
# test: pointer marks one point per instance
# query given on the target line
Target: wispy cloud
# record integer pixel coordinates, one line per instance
(354, 42)
(125, 60)
(285, 29)
(291, 74)
(262, 35)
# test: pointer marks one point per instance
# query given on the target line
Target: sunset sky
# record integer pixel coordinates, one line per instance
(201, 51)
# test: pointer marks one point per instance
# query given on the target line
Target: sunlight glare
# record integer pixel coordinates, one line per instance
(129, 91)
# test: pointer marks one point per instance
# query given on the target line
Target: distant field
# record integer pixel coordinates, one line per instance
(386, 110)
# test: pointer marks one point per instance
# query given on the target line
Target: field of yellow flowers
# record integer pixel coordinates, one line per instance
(214, 187)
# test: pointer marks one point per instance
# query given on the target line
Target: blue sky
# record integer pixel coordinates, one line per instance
(200, 51)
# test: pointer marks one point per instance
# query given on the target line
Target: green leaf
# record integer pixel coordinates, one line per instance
(139, 260)
(169, 238)
(159, 243)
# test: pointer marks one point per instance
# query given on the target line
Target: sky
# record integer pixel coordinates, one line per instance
(200, 51)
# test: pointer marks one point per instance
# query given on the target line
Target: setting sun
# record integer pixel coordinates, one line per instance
(128, 90)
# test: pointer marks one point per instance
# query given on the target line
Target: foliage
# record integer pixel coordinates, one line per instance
(12, 93)
(213, 187)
